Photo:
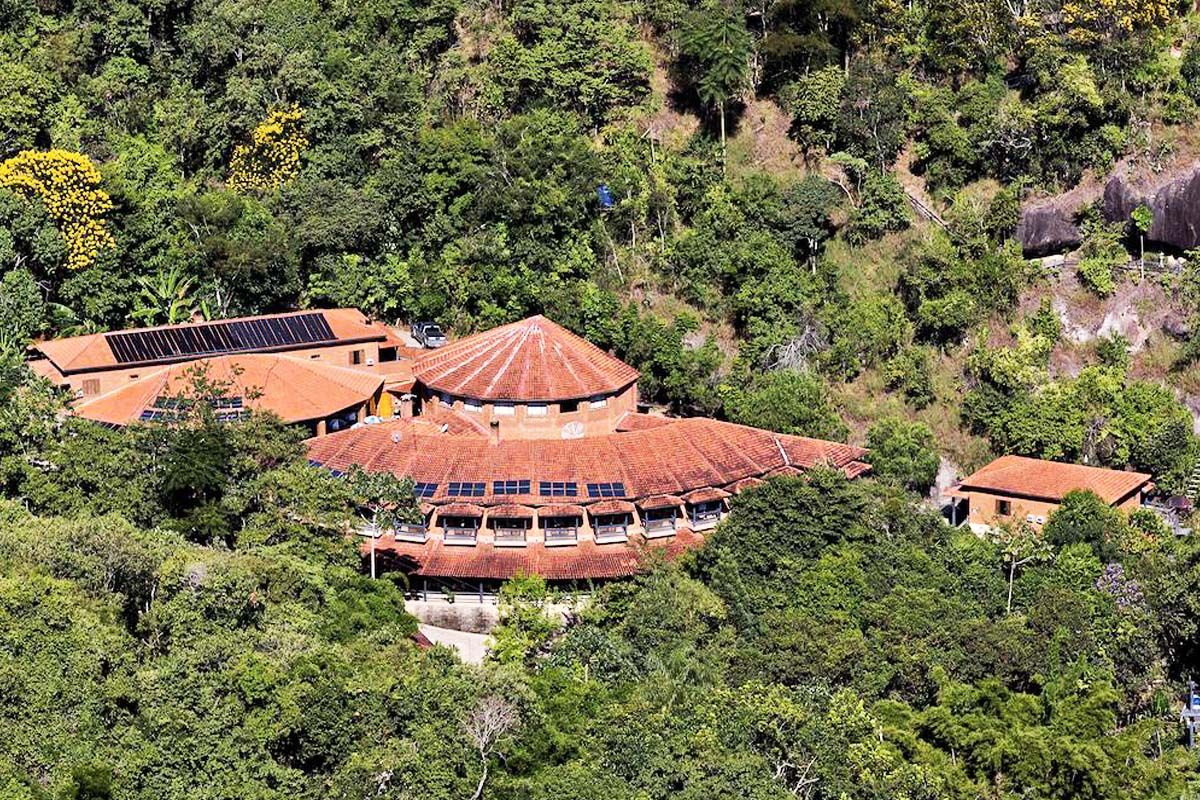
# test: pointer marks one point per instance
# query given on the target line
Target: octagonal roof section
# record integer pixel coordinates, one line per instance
(533, 360)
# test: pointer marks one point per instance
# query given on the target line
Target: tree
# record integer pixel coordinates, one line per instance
(272, 156)
(786, 401)
(487, 725)
(1020, 545)
(166, 298)
(1084, 518)
(903, 453)
(68, 186)
(716, 42)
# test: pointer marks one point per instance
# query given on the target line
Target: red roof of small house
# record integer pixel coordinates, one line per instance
(582, 561)
(688, 454)
(531, 360)
(295, 389)
(1052, 480)
(94, 352)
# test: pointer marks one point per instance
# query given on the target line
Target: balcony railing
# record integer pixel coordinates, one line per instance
(663, 526)
(410, 532)
(509, 537)
(459, 535)
(703, 520)
(607, 534)
(562, 535)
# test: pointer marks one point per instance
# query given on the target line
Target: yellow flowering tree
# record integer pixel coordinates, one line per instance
(272, 157)
(1093, 21)
(68, 185)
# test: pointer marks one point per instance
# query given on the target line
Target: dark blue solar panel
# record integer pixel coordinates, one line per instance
(424, 490)
(219, 337)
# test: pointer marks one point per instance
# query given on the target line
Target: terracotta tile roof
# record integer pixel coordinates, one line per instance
(575, 562)
(510, 511)
(560, 511)
(693, 453)
(460, 510)
(92, 351)
(295, 389)
(706, 495)
(660, 501)
(1052, 480)
(611, 507)
(534, 359)
(636, 422)
(737, 487)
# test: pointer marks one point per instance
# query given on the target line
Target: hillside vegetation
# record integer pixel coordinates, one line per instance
(721, 193)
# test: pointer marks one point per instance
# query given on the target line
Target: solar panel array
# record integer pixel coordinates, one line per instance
(167, 408)
(615, 489)
(465, 489)
(211, 338)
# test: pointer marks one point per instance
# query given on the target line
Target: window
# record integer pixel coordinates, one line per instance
(510, 487)
(133, 377)
(356, 356)
(558, 489)
(91, 386)
(464, 489)
(569, 406)
(472, 405)
(315, 356)
(598, 402)
(1003, 508)
(424, 491)
(504, 409)
(614, 489)
(536, 410)
(447, 399)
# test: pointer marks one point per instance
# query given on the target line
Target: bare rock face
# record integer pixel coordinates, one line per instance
(1173, 199)
(1048, 228)
(1174, 207)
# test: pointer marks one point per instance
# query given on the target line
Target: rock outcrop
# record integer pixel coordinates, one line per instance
(1173, 198)
(1048, 228)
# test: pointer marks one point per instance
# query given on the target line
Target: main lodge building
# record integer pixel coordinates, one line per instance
(525, 442)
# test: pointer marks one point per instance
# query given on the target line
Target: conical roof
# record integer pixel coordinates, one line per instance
(528, 361)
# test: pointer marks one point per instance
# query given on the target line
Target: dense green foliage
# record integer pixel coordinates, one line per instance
(183, 612)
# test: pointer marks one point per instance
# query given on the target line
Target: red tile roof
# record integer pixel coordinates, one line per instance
(706, 495)
(637, 422)
(531, 360)
(582, 561)
(510, 511)
(611, 507)
(92, 351)
(660, 501)
(295, 389)
(1052, 480)
(737, 487)
(560, 511)
(461, 510)
(693, 453)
